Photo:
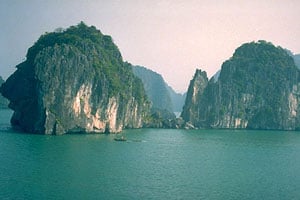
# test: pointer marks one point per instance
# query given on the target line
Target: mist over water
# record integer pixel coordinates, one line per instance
(152, 164)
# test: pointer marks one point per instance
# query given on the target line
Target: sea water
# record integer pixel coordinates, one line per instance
(151, 164)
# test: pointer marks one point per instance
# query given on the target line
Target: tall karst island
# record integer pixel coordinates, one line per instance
(75, 80)
(257, 88)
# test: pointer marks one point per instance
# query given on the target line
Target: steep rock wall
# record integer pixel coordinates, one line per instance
(155, 87)
(77, 86)
(257, 89)
(194, 95)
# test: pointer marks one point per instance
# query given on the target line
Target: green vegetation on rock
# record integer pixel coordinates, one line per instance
(104, 55)
(258, 88)
(75, 80)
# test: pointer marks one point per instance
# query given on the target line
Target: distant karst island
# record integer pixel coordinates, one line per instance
(3, 101)
(75, 80)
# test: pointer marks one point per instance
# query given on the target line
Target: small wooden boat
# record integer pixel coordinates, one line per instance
(120, 139)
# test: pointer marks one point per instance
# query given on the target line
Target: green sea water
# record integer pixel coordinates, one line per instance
(152, 164)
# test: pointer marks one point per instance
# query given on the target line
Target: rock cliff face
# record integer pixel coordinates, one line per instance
(194, 95)
(177, 99)
(162, 96)
(258, 88)
(155, 87)
(3, 101)
(75, 81)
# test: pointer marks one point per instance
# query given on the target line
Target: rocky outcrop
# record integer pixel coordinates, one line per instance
(155, 87)
(75, 81)
(162, 96)
(258, 88)
(194, 95)
(3, 101)
(177, 99)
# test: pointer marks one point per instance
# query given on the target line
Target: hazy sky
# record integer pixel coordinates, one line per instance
(172, 37)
